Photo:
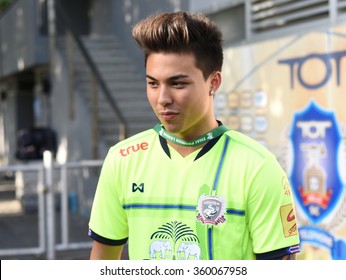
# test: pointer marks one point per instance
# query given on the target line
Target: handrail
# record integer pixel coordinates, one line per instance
(95, 71)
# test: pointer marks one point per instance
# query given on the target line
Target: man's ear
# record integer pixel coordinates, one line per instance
(215, 80)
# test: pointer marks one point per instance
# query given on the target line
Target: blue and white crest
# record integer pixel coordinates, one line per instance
(315, 177)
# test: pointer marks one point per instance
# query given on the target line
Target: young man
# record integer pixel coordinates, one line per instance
(190, 188)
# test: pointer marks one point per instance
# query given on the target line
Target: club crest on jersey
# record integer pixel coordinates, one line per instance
(211, 210)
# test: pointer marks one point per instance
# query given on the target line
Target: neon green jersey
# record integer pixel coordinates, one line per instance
(229, 200)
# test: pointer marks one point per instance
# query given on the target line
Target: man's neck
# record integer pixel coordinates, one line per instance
(184, 151)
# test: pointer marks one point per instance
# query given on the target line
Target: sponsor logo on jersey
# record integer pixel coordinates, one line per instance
(288, 220)
(139, 187)
(134, 148)
(211, 210)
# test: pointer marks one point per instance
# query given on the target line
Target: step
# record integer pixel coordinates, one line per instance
(104, 68)
(137, 125)
(116, 84)
(127, 86)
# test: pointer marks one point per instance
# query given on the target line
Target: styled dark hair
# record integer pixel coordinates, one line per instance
(182, 32)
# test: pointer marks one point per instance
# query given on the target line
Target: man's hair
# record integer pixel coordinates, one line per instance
(185, 33)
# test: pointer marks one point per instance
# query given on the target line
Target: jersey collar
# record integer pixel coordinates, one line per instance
(206, 148)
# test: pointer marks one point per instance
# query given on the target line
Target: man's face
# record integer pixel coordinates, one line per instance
(179, 94)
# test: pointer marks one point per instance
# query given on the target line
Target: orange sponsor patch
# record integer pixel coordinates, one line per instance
(288, 220)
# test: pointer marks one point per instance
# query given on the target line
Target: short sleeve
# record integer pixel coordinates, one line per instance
(271, 213)
(108, 222)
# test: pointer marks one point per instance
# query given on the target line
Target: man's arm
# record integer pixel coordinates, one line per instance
(101, 251)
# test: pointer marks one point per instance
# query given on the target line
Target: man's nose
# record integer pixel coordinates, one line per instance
(165, 96)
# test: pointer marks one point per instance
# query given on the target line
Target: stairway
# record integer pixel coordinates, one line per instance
(126, 85)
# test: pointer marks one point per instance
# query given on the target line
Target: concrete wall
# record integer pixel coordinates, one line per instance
(118, 17)
(22, 46)
(9, 118)
(73, 131)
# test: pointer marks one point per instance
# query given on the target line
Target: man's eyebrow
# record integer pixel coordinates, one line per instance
(150, 77)
(177, 77)
(173, 78)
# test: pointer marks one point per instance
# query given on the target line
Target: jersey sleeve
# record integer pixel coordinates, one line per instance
(271, 212)
(108, 222)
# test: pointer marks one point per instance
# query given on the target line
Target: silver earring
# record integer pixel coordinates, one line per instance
(212, 92)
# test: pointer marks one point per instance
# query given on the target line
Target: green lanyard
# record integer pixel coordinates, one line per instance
(196, 142)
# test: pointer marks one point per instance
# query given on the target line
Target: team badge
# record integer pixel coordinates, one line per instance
(315, 177)
(211, 210)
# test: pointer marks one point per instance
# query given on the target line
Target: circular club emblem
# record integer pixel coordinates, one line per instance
(211, 210)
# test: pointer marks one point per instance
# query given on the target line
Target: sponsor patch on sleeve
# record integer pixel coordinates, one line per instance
(288, 220)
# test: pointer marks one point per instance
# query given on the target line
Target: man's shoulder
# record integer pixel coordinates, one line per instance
(245, 143)
(141, 137)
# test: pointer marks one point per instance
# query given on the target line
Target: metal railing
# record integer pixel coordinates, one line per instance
(46, 205)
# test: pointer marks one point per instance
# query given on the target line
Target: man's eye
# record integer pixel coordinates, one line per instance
(152, 84)
(179, 84)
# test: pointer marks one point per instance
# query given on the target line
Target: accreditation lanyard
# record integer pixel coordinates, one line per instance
(195, 142)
